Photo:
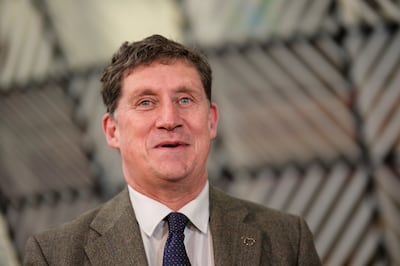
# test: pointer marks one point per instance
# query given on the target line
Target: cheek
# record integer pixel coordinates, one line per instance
(205, 132)
(134, 135)
(132, 148)
(127, 136)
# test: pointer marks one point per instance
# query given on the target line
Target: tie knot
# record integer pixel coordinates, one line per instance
(177, 222)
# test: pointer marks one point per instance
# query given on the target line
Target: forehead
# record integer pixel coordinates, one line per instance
(171, 62)
(162, 74)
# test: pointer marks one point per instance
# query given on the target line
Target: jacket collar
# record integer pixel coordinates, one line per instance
(234, 241)
(115, 238)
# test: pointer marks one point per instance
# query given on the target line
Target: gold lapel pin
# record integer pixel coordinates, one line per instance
(248, 241)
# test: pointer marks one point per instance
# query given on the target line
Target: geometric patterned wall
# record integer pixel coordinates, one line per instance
(45, 175)
(51, 53)
(310, 123)
(307, 130)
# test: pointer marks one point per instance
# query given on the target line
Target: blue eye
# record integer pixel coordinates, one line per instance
(145, 103)
(185, 100)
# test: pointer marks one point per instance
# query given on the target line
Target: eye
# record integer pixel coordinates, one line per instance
(185, 100)
(145, 103)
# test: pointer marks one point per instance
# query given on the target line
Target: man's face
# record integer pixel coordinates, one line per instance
(163, 125)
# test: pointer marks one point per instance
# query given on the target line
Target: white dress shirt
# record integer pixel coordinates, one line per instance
(154, 230)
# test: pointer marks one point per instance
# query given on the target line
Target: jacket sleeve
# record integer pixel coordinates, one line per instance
(307, 253)
(33, 253)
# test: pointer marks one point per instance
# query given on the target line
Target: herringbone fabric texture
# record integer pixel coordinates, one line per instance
(174, 251)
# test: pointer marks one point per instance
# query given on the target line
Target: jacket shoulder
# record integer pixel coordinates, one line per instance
(67, 241)
(63, 243)
(255, 211)
(72, 231)
(286, 236)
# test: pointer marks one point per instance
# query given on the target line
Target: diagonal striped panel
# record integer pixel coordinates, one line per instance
(88, 112)
(212, 23)
(371, 12)
(379, 95)
(306, 17)
(7, 250)
(336, 203)
(287, 115)
(388, 185)
(39, 142)
(45, 176)
(297, 95)
(26, 52)
(332, 230)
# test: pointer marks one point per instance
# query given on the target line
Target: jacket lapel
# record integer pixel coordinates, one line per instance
(234, 241)
(115, 237)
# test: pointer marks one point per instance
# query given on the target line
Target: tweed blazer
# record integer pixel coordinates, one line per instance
(243, 233)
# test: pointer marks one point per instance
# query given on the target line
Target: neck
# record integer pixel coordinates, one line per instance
(174, 195)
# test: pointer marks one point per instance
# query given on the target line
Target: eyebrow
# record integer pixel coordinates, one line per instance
(187, 90)
(142, 92)
(145, 91)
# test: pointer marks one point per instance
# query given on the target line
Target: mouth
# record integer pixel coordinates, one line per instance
(172, 145)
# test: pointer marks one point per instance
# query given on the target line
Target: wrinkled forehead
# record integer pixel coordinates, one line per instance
(162, 61)
(172, 75)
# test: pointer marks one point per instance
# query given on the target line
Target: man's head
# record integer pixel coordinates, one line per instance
(160, 116)
(145, 52)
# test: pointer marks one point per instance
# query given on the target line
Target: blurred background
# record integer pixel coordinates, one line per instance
(309, 95)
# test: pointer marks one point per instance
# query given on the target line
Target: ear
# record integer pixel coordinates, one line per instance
(110, 129)
(213, 118)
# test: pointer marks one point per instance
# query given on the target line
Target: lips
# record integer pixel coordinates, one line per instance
(171, 144)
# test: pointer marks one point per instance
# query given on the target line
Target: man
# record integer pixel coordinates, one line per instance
(161, 119)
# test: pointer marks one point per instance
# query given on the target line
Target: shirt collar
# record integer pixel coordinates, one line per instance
(149, 212)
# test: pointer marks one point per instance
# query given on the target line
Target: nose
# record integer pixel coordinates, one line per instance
(169, 117)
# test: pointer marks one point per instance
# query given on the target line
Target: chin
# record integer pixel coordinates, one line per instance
(173, 175)
(171, 167)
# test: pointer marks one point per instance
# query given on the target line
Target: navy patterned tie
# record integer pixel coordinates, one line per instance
(174, 251)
